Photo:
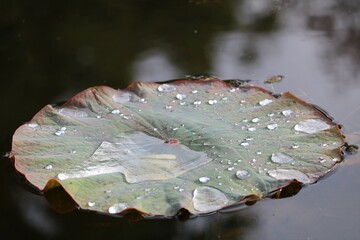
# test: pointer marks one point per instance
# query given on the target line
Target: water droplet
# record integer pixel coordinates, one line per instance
(168, 106)
(166, 88)
(155, 129)
(117, 208)
(60, 132)
(48, 167)
(322, 160)
(143, 100)
(265, 102)
(230, 168)
(73, 113)
(251, 129)
(180, 96)
(249, 139)
(295, 146)
(335, 159)
(122, 97)
(98, 116)
(204, 179)
(255, 120)
(244, 144)
(115, 111)
(182, 103)
(311, 126)
(271, 114)
(289, 174)
(181, 189)
(243, 101)
(33, 125)
(224, 99)
(287, 112)
(232, 90)
(324, 145)
(242, 174)
(174, 129)
(272, 126)
(91, 204)
(258, 153)
(108, 191)
(212, 102)
(208, 199)
(62, 176)
(281, 158)
(194, 91)
(197, 103)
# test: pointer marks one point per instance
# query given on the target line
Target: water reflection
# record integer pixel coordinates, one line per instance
(57, 48)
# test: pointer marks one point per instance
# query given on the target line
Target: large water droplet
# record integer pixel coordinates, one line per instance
(166, 88)
(281, 158)
(265, 102)
(242, 174)
(289, 174)
(117, 208)
(311, 126)
(204, 179)
(208, 199)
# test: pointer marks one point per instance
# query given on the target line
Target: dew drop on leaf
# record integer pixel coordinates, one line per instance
(208, 199)
(287, 112)
(117, 208)
(281, 158)
(204, 179)
(265, 102)
(180, 96)
(166, 88)
(242, 174)
(289, 174)
(272, 126)
(33, 125)
(311, 126)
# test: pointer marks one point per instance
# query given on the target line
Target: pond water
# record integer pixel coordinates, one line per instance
(51, 50)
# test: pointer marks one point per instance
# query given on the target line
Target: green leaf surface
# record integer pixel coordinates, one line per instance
(158, 148)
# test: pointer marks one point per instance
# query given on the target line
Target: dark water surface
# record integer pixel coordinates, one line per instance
(50, 50)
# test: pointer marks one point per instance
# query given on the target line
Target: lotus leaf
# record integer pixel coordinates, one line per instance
(161, 147)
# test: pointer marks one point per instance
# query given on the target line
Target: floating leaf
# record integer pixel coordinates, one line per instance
(159, 148)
